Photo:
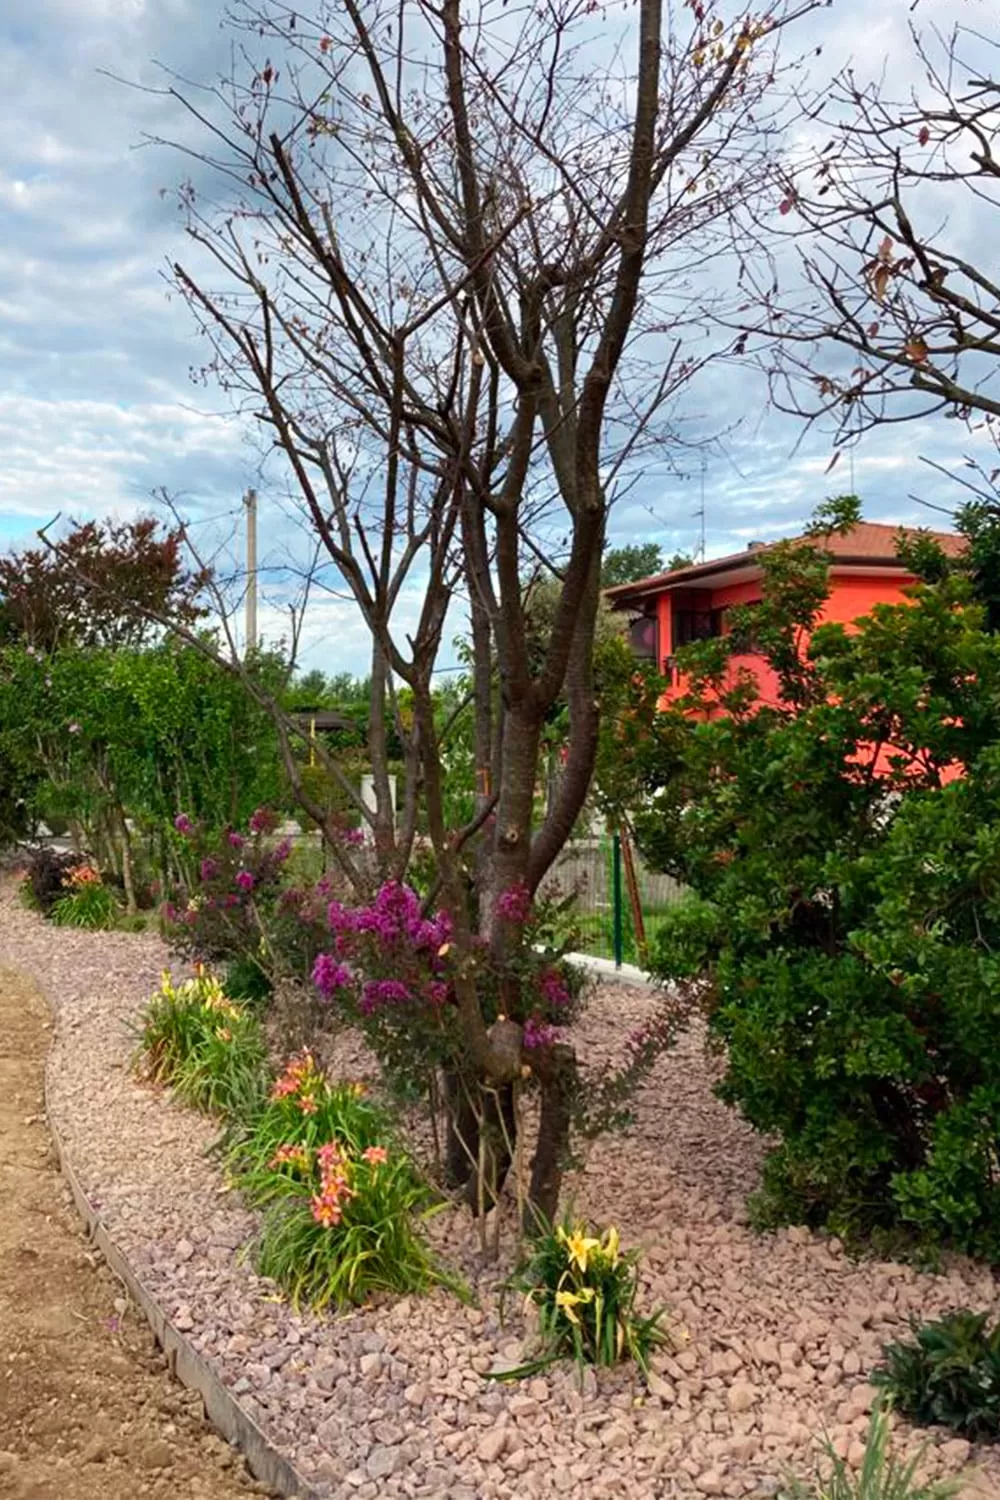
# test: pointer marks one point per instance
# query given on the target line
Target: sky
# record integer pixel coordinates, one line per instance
(97, 407)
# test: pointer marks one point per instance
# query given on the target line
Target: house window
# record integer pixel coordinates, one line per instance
(696, 625)
(643, 636)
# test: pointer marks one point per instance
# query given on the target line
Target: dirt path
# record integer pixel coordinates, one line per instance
(87, 1408)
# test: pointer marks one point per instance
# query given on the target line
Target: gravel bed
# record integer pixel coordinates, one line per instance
(773, 1334)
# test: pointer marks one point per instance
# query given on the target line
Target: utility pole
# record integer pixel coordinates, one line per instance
(250, 501)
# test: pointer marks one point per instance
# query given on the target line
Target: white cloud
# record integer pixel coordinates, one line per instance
(96, 408)
(88, 456)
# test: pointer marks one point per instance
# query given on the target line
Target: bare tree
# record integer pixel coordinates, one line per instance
(897, 315)
(459, 276)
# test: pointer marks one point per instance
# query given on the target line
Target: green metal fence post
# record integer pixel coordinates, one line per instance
(616, 885)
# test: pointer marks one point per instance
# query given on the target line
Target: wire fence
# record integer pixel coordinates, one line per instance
(620, 903)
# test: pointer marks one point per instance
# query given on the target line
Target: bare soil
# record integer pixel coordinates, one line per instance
(86, 1404)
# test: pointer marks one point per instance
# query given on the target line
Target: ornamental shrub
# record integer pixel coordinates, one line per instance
(46, 872)
(388, 967)
(840, 840)
(948, 1374)
(236, 907)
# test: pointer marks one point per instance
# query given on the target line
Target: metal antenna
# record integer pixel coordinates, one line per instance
(700, 512)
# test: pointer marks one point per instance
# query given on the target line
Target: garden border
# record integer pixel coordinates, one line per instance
(183, 1360)
(606, 968)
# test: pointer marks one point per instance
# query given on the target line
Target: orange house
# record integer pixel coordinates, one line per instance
(689, 604)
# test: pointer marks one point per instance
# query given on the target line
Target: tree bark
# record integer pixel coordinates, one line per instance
(128, 874)
(461, 1130)
(383, 830)
(556, 1071)
(481, 1135)
(496, 1126)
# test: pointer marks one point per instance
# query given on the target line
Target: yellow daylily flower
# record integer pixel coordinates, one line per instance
(570, 1301)
(578, 1246)
(612, 1245)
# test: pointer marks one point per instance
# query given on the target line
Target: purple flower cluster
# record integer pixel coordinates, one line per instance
(379, 992)
(236, 840)
(391, 932)
(392, 917)
(245, 880)
(209, 868)
(554, 989)
(538, 1033)
(352, 835)
(329, 975)
(393, 914)
(514, 904)
(282, 851)
(183, 824)
(262, 820)
(392, 937)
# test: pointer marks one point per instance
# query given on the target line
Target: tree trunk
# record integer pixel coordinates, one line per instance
(556, 1073)
(383, 830)
(462, 1132)
(496, 1126)
(481, 1134)
(485, 721)
(128, 876)
(106, 843)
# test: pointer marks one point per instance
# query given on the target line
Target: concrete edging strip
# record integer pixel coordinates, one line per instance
(185, 1363)
(606, 968)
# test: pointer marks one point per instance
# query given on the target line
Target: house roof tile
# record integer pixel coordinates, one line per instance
(868, 543)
